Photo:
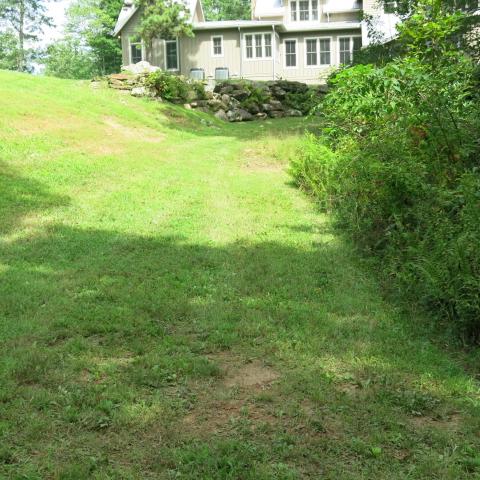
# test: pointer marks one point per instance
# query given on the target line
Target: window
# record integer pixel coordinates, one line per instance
(249, 46)
(293, 10)
(136, 50)
(312, 51)
(314, 9)
(258, 46)
(325, 51)
(268, 45)
(347, 47)
(217, 46)
(304, 10)
(318, 51)
(290, 53)
(171, 54)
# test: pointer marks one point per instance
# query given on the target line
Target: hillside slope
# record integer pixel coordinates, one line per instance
(171, 308)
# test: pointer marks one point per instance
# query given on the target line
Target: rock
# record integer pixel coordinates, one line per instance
(293, 113)
(225, 98)
(240, 95)
(140, 92)
(266, 107)
(261, 116)
(216, 105)
(278, 92)
(253, 109)
(239, 115)
(199, 104)
(187, 106)
(222, 115)
(292, 87)
(140, 67)
(276, 114)
(276, 105)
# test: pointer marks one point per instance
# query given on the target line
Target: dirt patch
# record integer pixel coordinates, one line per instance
(144, 134)
(452, 422)
(254, 374)
(256, 161)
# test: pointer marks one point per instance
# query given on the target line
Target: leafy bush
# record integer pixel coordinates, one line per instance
(175, 88)
(303, 101)
(404, 178)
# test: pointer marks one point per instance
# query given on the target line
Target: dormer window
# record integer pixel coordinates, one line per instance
(304, 10)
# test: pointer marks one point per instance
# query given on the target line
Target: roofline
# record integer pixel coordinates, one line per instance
(234, 24)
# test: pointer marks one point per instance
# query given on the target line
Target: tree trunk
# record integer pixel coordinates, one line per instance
(21, 37)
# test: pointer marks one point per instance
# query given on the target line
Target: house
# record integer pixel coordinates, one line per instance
(285, 39)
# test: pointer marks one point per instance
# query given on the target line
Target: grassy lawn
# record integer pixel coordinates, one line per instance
(172, 308)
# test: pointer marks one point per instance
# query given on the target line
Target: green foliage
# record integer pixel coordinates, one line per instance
(227, 9)
(175, 88)
(8, 51)
(405, 182)
(303, 101)
(68, 59)
(164, 19)
(91, 23)
(26, 18)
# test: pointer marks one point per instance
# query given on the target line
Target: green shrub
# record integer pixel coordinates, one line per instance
(404, 178)
(174, 88)
(303, 101)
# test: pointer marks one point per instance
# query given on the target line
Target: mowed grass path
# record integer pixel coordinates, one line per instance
(171, 308)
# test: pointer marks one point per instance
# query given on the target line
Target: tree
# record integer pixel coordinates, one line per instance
(227, 9)
(8, 51)
(26, 18)
(69, 59)
(163, 19)
(91, 24)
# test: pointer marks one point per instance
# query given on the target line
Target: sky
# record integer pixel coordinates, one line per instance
(56, 10)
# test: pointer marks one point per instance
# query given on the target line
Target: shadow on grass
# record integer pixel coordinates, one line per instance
(21, 196)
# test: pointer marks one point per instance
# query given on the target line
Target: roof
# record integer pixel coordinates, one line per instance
(233, 24)
(129, 9)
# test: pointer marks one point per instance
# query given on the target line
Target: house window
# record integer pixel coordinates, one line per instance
(312, 51)
(217, 46)
(293, 10)
(268, 45)
(290, 53)
(348, 46)
(314, 9)
(304, 10)
(258, 46)
(171, 54)
(136, 50)
(325, 51)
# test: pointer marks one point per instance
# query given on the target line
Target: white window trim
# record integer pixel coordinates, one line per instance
(351, 37)
(254, 58)
(285, 40)
(213, 37)
(310, 12)
(130, 43)
(165, 55)
(318, 65)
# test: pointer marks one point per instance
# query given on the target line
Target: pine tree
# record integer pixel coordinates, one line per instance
(26, 18)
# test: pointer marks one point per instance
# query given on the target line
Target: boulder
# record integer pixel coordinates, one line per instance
(216, 105)
(140, 67)
(253, 109)
(276, 105)
(293, 113)
(199, 104)
(222, 115)
(225, 98)
(261, 116)
(276, 114)
(240, 95)
(278, 92)
(292, 87)
(239, 115)
(266, 107)
(140, 92)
